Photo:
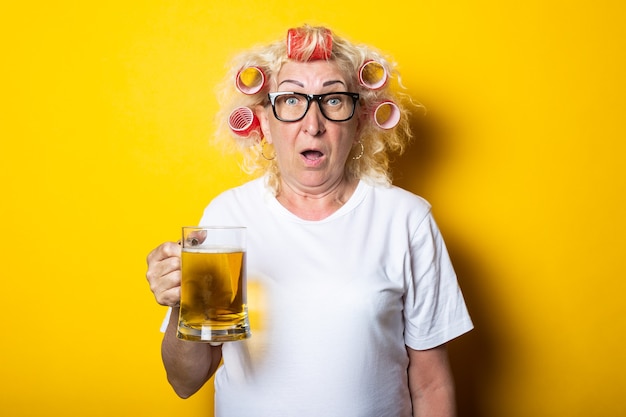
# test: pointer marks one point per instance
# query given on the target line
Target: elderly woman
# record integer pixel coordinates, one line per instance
(355, 296)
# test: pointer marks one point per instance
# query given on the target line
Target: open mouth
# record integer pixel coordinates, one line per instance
(312, 155)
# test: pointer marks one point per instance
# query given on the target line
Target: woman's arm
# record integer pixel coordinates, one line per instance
(431, 383)
(189, 365)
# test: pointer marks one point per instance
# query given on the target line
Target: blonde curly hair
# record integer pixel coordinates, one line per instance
(373, 164)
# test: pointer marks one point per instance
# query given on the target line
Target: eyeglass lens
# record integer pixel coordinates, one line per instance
(334, 106)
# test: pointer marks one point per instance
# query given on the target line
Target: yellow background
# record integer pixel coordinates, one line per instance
(105, 120)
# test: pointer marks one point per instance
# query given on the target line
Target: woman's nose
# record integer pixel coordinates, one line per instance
(313, 121)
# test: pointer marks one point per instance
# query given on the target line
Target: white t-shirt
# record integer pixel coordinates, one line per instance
(333, 303)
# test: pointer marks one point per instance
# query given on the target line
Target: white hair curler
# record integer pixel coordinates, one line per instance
(373, 75)
(242, 121)
(250, 80)
(387, 115)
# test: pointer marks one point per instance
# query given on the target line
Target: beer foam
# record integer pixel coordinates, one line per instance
(214, 249)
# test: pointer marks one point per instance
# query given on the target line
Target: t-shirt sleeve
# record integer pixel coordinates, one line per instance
(434, 309)
(166, 319)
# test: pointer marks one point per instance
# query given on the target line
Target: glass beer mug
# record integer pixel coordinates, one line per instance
(213, 285)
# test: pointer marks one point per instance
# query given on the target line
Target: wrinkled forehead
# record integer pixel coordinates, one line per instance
(313, 74)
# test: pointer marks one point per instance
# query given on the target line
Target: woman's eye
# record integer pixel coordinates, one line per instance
(291, 101)
(333, 101)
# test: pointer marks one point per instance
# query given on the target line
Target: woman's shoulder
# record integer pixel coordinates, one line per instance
(400, 197)
(237, 199)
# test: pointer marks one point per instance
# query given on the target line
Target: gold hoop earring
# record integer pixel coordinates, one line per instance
(359, 156)
(263, 142)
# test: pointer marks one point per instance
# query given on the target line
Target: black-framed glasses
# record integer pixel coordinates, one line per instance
(289, 106)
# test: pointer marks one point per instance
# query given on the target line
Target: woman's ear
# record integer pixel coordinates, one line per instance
(261, 114)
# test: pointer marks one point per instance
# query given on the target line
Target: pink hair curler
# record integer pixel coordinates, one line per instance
(387, 115)
(250, 80)
(373, 75)
(295, 40)
(242, 121)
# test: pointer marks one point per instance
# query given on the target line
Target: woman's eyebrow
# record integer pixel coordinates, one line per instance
(299, 84)
(327, 83)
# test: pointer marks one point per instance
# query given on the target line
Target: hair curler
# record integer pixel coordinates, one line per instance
(250, 80)
(373, 75)
(387, 115)
(295, 45)
(242, 121)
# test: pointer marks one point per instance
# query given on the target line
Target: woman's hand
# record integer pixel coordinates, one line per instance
(164, 273)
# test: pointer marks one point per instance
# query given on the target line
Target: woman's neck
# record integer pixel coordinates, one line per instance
(316, 205)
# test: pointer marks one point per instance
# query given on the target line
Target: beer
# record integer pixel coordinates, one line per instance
(213, 295)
